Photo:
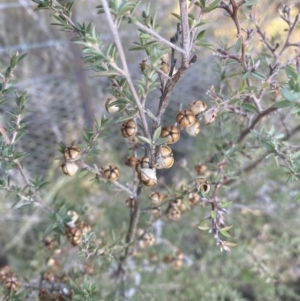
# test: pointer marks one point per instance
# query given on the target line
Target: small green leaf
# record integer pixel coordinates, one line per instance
(225, 233)
(144, 139)
(225, 205)
(282, 104)
(248, 107)
(176, 16)
(203, 225)
(288, 95)
(200, 35)
(212, 6)
(213, 214)
(156, 134)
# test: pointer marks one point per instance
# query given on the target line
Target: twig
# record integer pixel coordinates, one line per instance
(157, 36)
(185, 33)
(40, 201)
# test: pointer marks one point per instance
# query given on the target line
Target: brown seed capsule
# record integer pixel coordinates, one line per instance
(130, 202)
(164, 157)
(168, 259)
(165, 68)
(155, 213)
(177, 264)
(200, 169)
(48, 276)
(210, 116)
(148, 239)
(72, 153)
(11, 283)
(143, 64)
(194, 198)
(43, 294)
(171, 132)
(4, 273)
(198, 106)
(156, 198)
(88, 269)
(179, 255)
(185, 118)
(173, 213)
(176, 203)
(84, 227)
(131, 161)
(74, 235)
(128, 128)
(147, 176)
(194, 129)
(202, 184)
(69, 168)
(110, 108)
(111, 172)
(143, 162)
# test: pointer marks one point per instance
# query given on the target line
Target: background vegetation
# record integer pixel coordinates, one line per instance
(258, 170)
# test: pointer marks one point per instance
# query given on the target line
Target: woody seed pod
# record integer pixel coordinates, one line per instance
(131, 161)
(69, 168)
(110, 108)
(194, 129)
(111, 172)
(198, 106)
(202, 184)
(200, 169)
(210, 116)
(176, 203)
(128, 128)
(4, 273)
(11, 283)
(177, 264)
(143, 162)
(171, 132)
(143, 64)
(147, 176)
(185, 118)
(156, 198)
(130, 202)
(43, 294)
(48, 276)
(173, 213)
(84, 227)
(194, 198)
(164, 157)
(74, 235)
(72, 153)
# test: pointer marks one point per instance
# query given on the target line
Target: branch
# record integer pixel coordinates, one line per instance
(39, 200)
(157, 36)
(126, 73)
(185, 33)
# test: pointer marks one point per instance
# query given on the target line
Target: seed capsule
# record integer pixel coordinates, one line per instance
(143, 162)
(198, 106)
(72, 153)
(69, 168)
(185, 118)
(74, 235)
(194, 129)
(147, 176)
(210, 117)
(156, 198)
(171, 132)
(164, 157)
(173, 213)
(143, 64)
(131, 161)
(111, 172)
(11, 283)
(194, 198)
(110, 108)
(130, 202)
(200, 169)
(128, 128)
(202, 184)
